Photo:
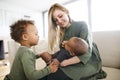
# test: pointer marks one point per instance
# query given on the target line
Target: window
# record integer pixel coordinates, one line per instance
(78, 10)
(45, 33)
(105, 15)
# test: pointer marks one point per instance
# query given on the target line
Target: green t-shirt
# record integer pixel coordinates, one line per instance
(90, 62)
(23, 67)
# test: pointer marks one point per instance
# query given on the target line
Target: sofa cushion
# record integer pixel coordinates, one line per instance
(112, 73)
(12, 47)
(42, 46)
(108, 43)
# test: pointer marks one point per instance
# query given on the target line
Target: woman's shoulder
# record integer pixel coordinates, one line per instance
(79, 24)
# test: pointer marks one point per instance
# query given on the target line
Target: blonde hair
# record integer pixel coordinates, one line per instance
(56, 33)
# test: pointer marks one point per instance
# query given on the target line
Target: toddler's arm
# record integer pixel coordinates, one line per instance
(70, 61)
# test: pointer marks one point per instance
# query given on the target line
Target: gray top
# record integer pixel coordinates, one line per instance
(23, 67)
(90, 62)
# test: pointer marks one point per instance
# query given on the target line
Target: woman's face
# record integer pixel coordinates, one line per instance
(61, 18)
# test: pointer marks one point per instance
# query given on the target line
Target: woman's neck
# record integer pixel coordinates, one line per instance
(68, 25)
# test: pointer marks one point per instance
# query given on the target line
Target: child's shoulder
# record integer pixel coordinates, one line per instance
(24, 49)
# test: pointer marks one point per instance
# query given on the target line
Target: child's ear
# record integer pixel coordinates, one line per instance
(24, 37)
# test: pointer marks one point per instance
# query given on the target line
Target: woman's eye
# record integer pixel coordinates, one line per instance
(60, 16)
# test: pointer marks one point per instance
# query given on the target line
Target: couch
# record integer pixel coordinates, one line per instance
(108, 43)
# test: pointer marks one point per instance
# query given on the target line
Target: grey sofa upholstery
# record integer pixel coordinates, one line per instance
(108, 43)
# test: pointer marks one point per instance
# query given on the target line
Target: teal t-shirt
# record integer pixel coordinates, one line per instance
(23, 67)
(90, 62)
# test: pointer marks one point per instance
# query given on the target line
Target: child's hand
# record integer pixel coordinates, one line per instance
(53, 67)
(55, 61)
(63, 43)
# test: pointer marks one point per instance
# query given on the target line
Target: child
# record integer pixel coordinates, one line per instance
(73, 47)
(23, 68)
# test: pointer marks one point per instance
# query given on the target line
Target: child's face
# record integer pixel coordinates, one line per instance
(32, 35)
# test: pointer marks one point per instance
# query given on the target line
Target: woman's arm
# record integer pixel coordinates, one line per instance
(85, 33)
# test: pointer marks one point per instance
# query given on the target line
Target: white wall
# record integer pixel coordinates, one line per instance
(10, 13)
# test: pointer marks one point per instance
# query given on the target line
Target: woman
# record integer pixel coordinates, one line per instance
(61, 28)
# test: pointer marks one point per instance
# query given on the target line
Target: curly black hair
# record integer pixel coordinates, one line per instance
(18, 28)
